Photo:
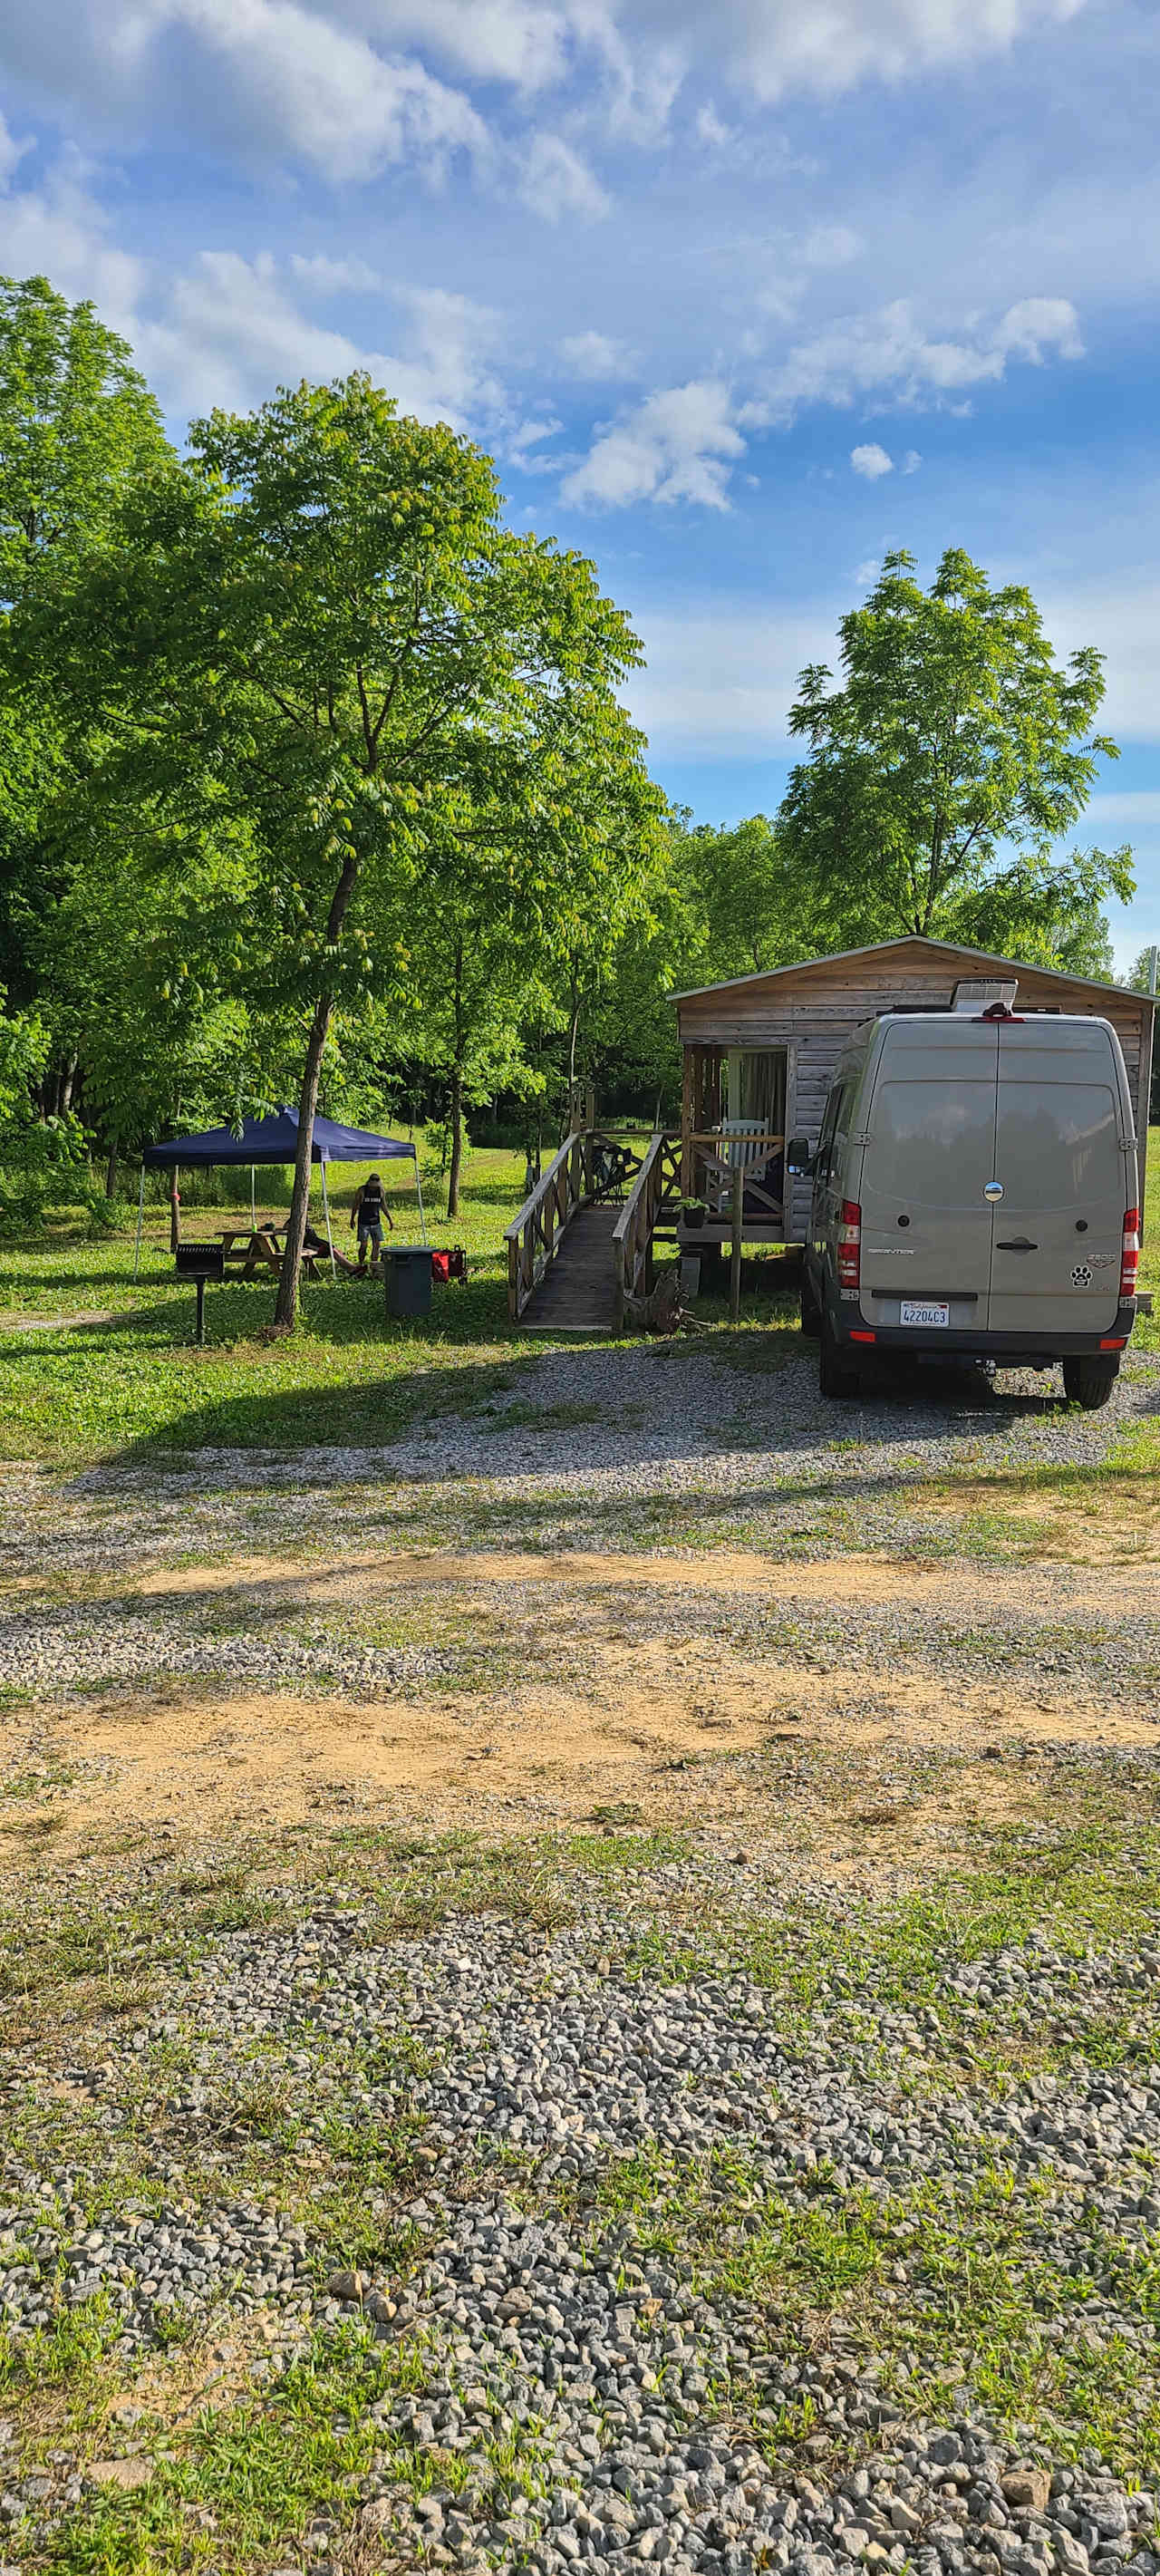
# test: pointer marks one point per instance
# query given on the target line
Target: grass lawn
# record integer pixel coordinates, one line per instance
(121, 1367)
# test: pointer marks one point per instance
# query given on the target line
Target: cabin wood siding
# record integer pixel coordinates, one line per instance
(813, 1011)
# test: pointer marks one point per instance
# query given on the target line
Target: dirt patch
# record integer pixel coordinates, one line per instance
(60, 1323)
(922, 1583)
(770, 1752)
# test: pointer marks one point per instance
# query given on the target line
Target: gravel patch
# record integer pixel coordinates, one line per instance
(604, 2385)
(103, 1644)
(685, 1449)
(662, 1412)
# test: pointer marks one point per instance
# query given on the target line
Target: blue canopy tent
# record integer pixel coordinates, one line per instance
(275, 1140)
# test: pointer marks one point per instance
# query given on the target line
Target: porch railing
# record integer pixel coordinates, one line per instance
(715, 1155)
(660, 1173)
(534, 1235)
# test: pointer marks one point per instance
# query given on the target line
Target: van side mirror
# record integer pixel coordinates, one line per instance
(799, 1160)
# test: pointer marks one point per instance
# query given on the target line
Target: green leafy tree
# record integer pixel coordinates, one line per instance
(41, 1159)
(319, 652)
(77, 426)
(954, 739)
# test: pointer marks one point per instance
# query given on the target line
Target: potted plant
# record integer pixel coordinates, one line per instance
(694, 1213)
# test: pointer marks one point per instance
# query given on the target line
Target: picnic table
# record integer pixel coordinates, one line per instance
(260, 1250)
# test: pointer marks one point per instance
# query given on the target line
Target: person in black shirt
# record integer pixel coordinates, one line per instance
(368, 1213)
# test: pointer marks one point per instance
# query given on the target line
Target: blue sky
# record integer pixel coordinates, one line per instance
(739, 292)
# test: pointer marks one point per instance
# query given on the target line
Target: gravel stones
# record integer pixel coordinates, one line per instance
(582, 2366)
(685, 1434)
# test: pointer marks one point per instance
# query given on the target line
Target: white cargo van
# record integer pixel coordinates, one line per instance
(975, 1193)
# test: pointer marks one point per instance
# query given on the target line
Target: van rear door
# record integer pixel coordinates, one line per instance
(929, 1155)
(1060, 1155)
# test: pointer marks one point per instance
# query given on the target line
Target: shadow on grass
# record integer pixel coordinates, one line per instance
(239, 1312)
(278, 1398)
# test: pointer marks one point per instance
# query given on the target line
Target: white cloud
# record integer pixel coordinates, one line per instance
(890, 353)
(1119, 618)
(676, 446)
(782, 45)
(710, 129)
(231, 331)
(1039, 324)
(911, 461)
(556, 182)
(720, 682)
(323, 276)
(595, 358)
(871, 462)
(11, 152)
(269, 76)
(829, 246)
(1124, 811)
(328, 95)
(59, 230)
(522, 42)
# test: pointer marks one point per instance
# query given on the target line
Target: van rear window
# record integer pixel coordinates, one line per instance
(933, 1142)
(1059, 1141)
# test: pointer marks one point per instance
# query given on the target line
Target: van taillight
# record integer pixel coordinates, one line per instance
(1130, 1254)
(849, 1244)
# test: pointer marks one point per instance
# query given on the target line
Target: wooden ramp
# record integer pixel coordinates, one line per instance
(577, 1293)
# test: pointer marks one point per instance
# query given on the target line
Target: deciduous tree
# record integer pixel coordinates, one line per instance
(955, 744)
(319, 645)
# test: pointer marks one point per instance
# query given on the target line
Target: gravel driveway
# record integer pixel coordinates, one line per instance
(683, 2272)
(702, 1447)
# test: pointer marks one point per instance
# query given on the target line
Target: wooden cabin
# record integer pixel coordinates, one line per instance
(760, 1051)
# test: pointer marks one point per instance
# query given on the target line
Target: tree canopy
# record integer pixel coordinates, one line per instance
(954, 752)
(320, 658)
(313, 773)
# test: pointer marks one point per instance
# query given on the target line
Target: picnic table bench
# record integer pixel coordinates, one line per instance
(260, 1251)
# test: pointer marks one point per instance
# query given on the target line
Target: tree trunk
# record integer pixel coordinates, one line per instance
(286, 1303)
(456, 1089)
(286, 1307)
(111, 1172)
(456, 1141)
(66, 1088)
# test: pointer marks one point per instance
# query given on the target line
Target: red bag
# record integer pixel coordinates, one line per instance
(449, 1265)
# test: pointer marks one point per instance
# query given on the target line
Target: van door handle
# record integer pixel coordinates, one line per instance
(1022, 1244)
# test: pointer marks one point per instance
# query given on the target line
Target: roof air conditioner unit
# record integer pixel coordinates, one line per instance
(978, 993)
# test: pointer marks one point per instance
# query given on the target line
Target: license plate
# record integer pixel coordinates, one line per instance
(923, 1310)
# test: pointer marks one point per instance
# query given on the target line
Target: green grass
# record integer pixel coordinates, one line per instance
(347, 1376)
(976, 2293)
(130, 1379)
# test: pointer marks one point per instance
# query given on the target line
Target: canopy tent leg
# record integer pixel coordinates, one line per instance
(253, 1204)
(419, 1193)
(140, 1218)
(326, 1205)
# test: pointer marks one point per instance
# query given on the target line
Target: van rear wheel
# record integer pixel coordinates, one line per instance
(811, 1311)
(838, 1374)
(1089, 1382)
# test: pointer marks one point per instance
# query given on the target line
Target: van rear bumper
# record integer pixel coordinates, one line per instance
(1012, 1347)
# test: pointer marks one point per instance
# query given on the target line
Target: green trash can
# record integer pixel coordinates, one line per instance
(408, 1268)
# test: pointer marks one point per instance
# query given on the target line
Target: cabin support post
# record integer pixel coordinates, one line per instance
(735, 1255)
(688, 1121)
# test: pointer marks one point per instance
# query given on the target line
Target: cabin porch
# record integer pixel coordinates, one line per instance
(734, 1120)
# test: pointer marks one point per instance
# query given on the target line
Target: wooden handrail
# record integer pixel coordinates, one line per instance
(522, 1214)
(533, 1237)
(640, 1185)
(633, 1232)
